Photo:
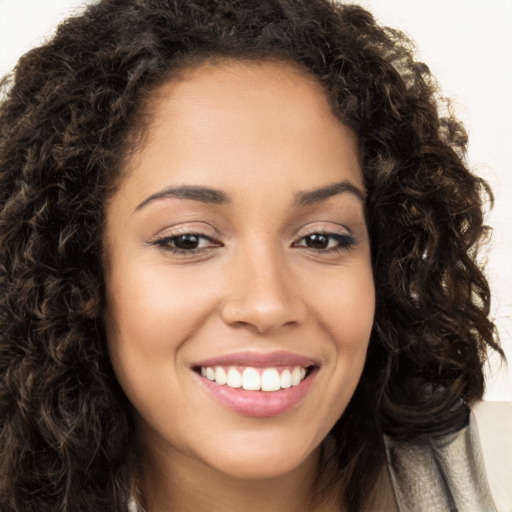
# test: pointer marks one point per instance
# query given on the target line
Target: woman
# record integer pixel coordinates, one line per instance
(238, 267)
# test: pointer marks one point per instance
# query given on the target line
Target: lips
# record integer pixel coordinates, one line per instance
(255, 384)
(259, 360)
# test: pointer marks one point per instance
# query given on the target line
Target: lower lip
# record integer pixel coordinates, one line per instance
(262, 404)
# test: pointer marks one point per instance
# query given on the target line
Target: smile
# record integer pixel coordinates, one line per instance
(256, 384)
(255, 379)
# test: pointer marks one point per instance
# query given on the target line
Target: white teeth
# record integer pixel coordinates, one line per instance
(234, 379)
(296, 375)
(220, 375)
(270, 380)
(252, 379)
(286, 379)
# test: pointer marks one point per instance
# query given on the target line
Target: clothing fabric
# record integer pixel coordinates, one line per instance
(445, 474)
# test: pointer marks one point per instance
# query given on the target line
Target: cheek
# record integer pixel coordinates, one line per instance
(151, 313)
(346, 314)
(346, 307)
(149, 304)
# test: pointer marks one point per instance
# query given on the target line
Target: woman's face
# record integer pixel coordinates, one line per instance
(237, 251)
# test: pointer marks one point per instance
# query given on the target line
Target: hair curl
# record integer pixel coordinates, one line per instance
(71, 108)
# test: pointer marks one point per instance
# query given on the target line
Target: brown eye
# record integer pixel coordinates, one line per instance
(326, 242)
(317, 241)
(187, 242)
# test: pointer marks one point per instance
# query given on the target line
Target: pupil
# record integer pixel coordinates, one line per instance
(317, 241)
(186, 242)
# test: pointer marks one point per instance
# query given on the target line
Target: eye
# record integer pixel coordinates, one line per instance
(326, 241)
(186, 243)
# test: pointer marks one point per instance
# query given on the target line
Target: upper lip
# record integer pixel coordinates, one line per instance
(258, 360)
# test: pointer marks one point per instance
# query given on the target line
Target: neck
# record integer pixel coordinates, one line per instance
(180, 483)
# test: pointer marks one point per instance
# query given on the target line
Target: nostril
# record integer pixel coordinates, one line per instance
(262, 317)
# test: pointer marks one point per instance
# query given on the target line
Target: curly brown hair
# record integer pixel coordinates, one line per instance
(68, 120)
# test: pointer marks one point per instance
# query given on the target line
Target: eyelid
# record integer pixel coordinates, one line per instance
(325, 227)
(186, 228)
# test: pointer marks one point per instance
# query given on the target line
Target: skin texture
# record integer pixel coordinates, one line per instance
(261, 133)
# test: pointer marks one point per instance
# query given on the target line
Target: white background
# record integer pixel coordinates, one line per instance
(468, 46)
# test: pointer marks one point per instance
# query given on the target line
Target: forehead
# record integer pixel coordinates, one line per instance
(218, 73)
(230, 118)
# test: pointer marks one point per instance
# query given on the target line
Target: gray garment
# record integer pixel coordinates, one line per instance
(444, 474)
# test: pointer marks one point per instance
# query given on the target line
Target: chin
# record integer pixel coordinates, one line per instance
(264, 459)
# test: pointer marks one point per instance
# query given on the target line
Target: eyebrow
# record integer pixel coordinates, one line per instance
(190, 192)
(218, 197)
(322, 194)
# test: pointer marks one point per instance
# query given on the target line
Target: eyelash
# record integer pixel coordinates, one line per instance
(344, 243)
(166, 244)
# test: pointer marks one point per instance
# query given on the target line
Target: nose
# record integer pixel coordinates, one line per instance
(261, 293)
